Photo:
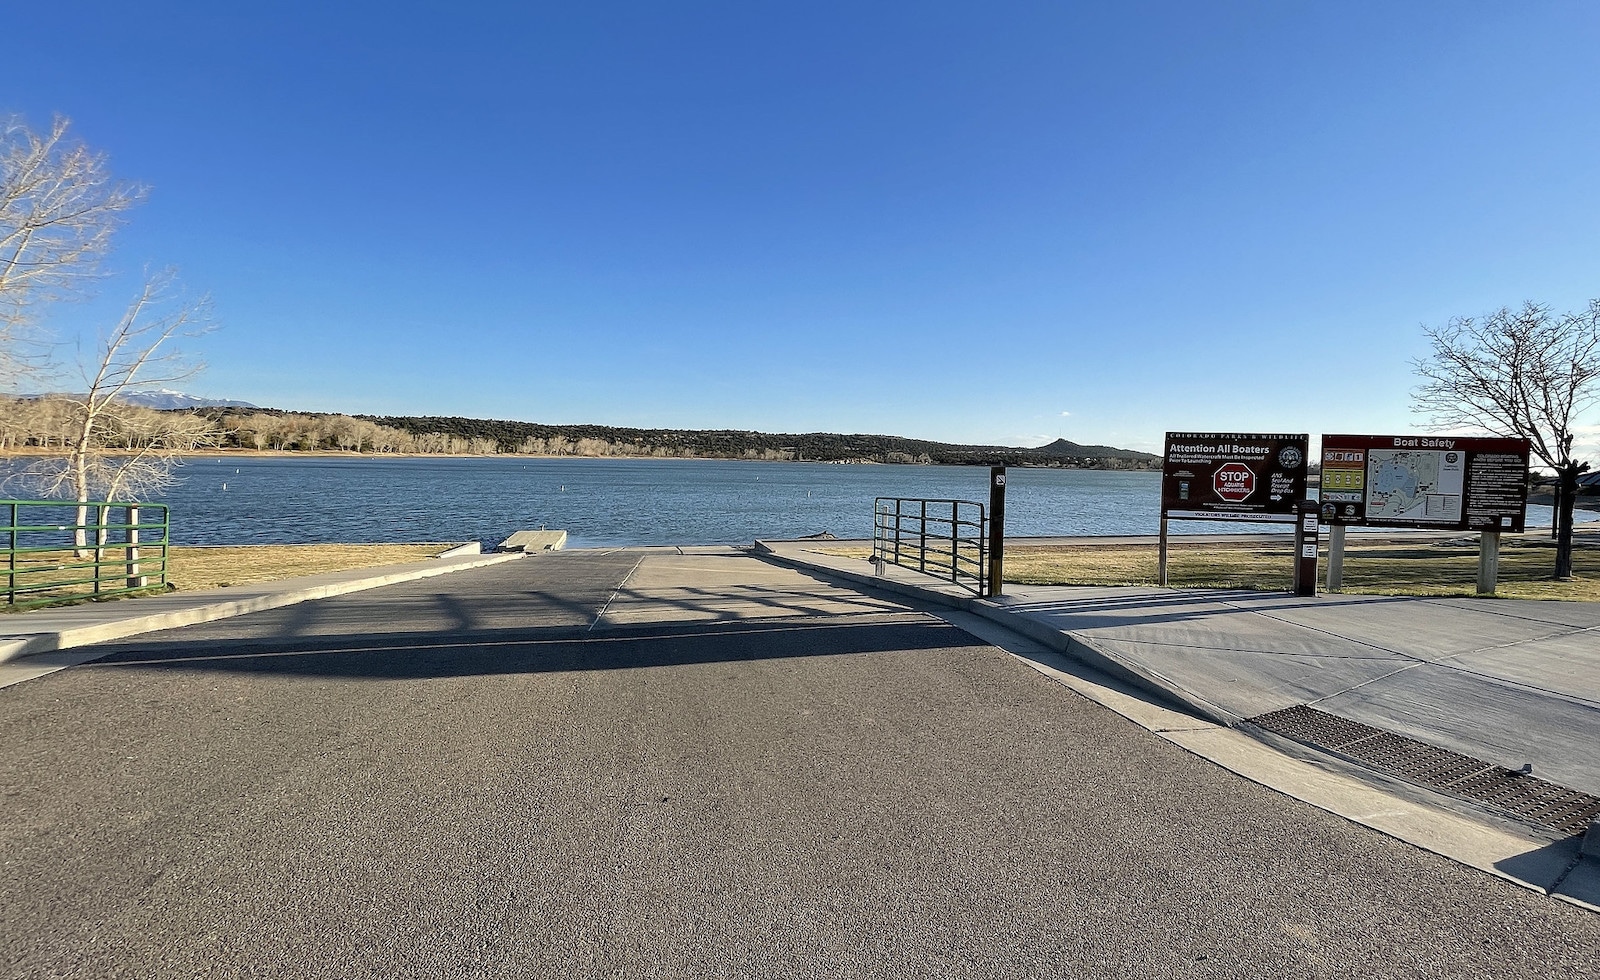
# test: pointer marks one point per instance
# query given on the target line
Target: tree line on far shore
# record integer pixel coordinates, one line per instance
(54, 423)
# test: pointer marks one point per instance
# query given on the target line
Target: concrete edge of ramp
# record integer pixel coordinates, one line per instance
(1406, 813)
(1150, 682)
(216, 604)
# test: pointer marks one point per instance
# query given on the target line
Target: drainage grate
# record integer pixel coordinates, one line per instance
(1515, 794)
(1306, 724)
(1417, 761)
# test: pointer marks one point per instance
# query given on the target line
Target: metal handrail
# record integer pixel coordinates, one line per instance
(39, 551)
(931, 535)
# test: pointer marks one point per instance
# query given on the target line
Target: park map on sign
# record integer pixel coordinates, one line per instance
(1408, 485)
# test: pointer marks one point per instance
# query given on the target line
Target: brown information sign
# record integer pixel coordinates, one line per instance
(1232, 476)
(1447, 482)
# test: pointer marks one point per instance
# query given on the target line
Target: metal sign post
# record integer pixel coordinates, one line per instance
(1488, 562)
(1335, 557)
(997, 528)
(1161, 560)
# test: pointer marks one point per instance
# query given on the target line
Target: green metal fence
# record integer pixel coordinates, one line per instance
(62, 550)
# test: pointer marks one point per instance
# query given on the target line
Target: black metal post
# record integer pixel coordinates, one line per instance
(997, 529)
(983, 552)
(1306, 527)
(955, 536)
(897, 530)
(922, 540)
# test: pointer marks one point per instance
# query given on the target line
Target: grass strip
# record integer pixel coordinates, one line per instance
(1446, 568)
(192, 568)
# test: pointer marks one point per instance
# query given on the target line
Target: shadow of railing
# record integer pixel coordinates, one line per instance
(542, 649)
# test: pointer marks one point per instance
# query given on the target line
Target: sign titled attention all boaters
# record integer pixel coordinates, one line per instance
(1234, 476)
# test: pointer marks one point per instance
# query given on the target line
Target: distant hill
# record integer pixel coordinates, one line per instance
(728, 443)
(435, 433)
(239, 425)
(1066, 449)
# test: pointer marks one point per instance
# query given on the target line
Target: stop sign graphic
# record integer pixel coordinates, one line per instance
(1234, 482)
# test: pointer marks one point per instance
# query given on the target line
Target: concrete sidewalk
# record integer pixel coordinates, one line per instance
(61, 628)
(1514, 682)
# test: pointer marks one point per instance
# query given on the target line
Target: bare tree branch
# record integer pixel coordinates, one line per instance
(118, 450)
(1525, 374)
(59, 206)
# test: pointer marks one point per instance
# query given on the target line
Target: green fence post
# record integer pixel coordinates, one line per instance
(11, 563)
(166, 536)
(101, 515)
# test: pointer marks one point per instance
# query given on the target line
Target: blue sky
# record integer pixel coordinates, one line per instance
(966, 222)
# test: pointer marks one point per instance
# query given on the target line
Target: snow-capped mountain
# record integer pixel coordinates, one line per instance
(167, 398)
(164, 398)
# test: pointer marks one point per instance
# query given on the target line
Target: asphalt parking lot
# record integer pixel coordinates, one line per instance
(644, 763)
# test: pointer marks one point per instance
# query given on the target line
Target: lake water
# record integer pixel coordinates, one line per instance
(608, 502)
(603, 502)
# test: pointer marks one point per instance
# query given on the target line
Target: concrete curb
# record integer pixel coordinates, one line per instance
(1071, 646)
(15, 647)
(1042, 633)
(768, 553)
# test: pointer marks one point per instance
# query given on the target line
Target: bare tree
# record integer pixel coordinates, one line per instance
(14, 423)
(41, 422)
(121, 450)
(140, 446)
(58, 208)
(1522, 373)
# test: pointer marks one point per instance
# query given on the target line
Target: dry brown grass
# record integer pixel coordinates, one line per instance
(193, 569)
(1435, 569)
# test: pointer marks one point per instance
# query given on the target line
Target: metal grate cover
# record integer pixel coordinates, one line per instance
(1515, 794)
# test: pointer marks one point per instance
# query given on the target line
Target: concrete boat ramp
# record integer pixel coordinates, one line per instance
(540, 540)
(708, 761)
